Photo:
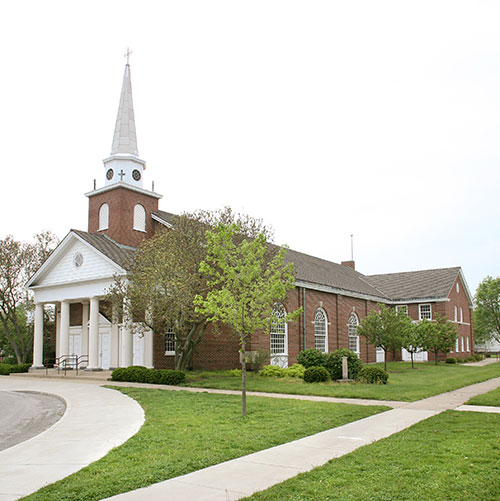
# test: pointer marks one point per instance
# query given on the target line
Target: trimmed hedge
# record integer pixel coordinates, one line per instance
(451, 360)
(373, 375)
(312, 358)
(316, 374)
(334, 363)
(139, 374)
(6, 369)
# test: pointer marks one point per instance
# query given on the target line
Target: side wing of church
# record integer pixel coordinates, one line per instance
(122, 213)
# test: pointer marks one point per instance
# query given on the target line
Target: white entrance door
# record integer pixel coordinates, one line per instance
(75, 344)
(104, 350)
(138, 350)
(420, 356)
(380, 355)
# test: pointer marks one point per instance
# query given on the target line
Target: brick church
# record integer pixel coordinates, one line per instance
(122, 213)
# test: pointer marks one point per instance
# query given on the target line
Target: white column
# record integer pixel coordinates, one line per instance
(38, 338)
(115, 362)
(94, 336)
(58, 329)
(148, 349)
(85, 328)
(127, 340)
(64, 334)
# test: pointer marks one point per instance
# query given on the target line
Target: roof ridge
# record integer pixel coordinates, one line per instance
(414, 271)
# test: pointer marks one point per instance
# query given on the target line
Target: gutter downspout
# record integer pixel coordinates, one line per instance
(304, 317)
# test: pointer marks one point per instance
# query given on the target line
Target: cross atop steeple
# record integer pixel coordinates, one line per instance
(127, 55)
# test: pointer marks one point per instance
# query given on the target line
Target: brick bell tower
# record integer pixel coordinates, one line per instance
(122, 208)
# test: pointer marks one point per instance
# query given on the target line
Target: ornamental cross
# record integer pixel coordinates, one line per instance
(121, 174)
(127, 54)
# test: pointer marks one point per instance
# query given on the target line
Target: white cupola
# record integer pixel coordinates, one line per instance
(124, 164)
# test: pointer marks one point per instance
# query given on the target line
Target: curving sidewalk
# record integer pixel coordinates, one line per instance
(96, 420)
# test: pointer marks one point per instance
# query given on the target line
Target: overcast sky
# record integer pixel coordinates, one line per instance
(374, 118)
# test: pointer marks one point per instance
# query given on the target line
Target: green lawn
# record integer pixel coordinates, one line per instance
(405, 383)
(490, 398)
(186, 431)
(452, 456)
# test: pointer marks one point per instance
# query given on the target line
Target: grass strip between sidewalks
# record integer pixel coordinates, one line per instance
(491, 398)
(185, 432)
(452, 456)
(404, 383)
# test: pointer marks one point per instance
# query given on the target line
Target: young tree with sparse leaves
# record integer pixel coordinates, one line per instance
(487, 310)
(438, 335)
(246, 277)
(385, 328)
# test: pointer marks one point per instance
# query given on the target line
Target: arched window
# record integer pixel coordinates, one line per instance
(352, 330)
(279, 337)
(139, 218)
(103, 217)
(321, 331)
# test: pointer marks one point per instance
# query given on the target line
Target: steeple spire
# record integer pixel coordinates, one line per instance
(124, 138)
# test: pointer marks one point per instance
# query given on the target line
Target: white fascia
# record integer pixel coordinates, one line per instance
(161, 221)
(120, 184)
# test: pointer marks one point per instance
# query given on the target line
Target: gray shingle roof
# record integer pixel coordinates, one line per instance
(322, 272)
(165, 216)
(416, 284)
(122, 255)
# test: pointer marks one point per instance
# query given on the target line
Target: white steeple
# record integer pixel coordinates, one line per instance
(124, 164)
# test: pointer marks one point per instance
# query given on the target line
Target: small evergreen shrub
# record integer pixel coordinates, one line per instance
(119, 374)
(6, 369)
(373, 375)
(137, 374)
(311, 358)
(451, 360)
(295, 370)
(460, 360)
(259, 359)
(235, 372)
(316, 374)
(272, 371)
(334, 363)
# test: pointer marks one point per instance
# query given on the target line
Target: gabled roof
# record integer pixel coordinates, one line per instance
(412, 285)
(122, 255)
(165, 218)
(314, 270)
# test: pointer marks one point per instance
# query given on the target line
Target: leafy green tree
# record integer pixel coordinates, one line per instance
(487, 310)
(385, 328)
(18, 261)
(412, 342)
(246, 277)
(438, 335)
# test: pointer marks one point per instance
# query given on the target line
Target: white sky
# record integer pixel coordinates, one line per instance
(374, 118)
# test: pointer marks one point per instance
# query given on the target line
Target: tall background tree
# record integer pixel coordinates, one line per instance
(487, 310)
(246, 277)
(18, 261)
(385, 328)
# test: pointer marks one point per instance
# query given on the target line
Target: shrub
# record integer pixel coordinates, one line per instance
(6, 369)
(373, 375)
(334, 363)
(451, 360)
(316, 374)
(295, 370)
(235, 372)
(139, 374)
(259, 359)
(272, 371)
(312, 358)
(460, 360)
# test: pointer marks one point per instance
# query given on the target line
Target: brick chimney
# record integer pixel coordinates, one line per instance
(349, 264)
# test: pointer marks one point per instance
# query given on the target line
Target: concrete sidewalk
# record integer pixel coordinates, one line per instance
(243, 476)
(96, 420)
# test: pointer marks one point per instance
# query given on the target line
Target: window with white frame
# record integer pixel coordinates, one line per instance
(456, 345)
(321, 331)
(352, 330)
(458, 288)
(467, 343)
(461, 315)
(456, 314)
(403, 308)
(462, 338)
(424, 311)
(279, 331)
(139, 218)
(103, 217)
(170, 341)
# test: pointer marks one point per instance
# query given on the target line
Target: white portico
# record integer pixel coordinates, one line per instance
(76, 278)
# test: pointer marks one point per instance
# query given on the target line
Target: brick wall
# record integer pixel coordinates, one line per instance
(121, 203)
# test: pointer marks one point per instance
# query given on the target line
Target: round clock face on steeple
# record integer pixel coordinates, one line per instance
(136, 175)
(109, 174)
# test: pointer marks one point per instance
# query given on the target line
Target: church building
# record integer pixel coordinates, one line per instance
(122, 213)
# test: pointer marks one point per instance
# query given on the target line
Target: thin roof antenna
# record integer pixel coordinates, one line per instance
(352, 247)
